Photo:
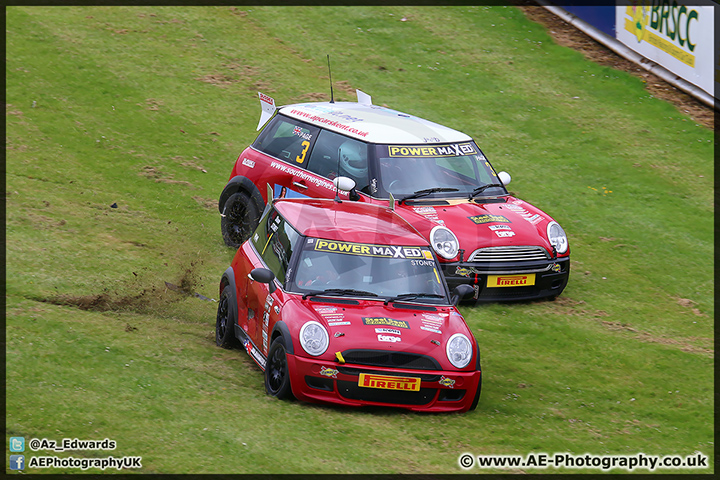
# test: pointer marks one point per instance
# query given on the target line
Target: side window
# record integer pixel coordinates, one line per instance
(336, 155)
(275, 240)
(287, 139)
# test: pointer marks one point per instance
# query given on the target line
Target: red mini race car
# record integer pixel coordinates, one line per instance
(505, 248)
(343, 302)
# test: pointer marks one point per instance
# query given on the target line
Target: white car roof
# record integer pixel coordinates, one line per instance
(373, 123)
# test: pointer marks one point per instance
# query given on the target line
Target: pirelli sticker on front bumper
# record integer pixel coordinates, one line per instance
(510, 280)
(389, 383)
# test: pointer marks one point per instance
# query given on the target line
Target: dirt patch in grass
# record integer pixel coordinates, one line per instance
(136, 297)
(220, 80)
(190, 163)
(572, 307)
(566, 35)
(151, 104)
(687, 303)
(208, 203)
(42, 222)
(342, 92)
(10, 110)
(237, 73)
(312, 97)
(569, 306)
(683, 343)
(156, 174)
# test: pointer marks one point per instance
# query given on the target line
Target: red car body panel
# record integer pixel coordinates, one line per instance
(356, 326)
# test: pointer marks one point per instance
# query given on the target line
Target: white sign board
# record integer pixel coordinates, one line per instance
(677, 34)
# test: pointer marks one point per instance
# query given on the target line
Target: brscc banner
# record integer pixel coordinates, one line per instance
(677, 34)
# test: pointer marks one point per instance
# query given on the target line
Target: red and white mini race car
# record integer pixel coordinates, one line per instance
(505, 248)
(343, 302)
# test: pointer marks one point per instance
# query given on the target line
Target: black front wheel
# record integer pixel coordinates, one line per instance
(277, 375)
(225, 321)
(240, 218)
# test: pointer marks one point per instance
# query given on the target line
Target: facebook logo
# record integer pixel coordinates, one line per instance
(17, 462)
(17, 444)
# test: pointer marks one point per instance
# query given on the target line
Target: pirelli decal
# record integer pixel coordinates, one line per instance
(386, 322)
(389, 383)
(369, 250)
(510, 280)
(449, 150)
(489, 218)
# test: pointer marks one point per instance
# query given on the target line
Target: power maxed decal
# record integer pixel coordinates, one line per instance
(368, 250)
(449, 150)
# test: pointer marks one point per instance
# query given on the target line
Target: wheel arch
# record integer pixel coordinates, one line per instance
(281, 330)
(241, 183)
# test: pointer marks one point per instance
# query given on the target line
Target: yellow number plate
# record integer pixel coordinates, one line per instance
(389, 383)
(511, 280)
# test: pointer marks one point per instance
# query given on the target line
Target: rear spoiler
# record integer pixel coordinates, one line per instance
(267, 106)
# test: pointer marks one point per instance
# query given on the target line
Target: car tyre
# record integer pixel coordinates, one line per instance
(239, 220)
(225, 323)
(277, 374)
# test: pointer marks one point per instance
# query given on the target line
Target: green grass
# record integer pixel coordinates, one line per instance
(148, 108)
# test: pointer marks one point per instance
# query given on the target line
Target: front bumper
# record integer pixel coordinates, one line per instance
(548, 279)
(329, 382)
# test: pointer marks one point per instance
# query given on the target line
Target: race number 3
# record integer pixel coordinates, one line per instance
(301, 158)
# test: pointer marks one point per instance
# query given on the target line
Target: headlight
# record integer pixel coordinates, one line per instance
(557, 237)
(459, 350)
(444, 242)
(314, 338)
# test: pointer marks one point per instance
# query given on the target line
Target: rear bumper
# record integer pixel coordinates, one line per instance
(328, 382)
(549, 279)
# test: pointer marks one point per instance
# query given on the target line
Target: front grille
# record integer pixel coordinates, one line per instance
(509, 254)
(352, 391)
(383, 358)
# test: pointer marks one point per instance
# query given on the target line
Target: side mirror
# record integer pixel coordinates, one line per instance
(344, 183)
(460, 292)
(263, 275)
(505, 178)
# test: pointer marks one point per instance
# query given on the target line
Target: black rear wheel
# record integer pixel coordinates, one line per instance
(240, 218)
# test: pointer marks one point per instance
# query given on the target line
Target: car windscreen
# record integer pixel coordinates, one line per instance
(385, 271)
(458, 169)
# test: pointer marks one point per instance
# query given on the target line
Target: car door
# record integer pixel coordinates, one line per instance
(335, 155)
(274, 240)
